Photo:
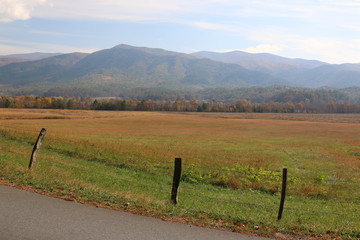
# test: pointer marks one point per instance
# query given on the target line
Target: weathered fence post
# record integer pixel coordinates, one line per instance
(283, 193)
(36, 147)
(176, 180)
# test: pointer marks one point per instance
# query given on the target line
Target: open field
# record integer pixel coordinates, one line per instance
(232, 165)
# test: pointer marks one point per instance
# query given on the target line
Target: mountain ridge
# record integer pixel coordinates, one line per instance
(133, 67)
(254, 61)
(301, 72)
(25, 57)
(125, 67)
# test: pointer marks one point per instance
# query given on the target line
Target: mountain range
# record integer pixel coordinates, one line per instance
(128, 67)
(14, 58)
(300, 72)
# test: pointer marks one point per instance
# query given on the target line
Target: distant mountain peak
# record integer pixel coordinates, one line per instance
(153, 51)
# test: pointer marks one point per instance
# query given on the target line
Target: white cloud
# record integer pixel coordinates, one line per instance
(266, 48)
(349, 26)
(215, 26)
(9, 49)
(11, 10)
(130, 10)
(170, 10)
(347, 3)
(167, 10)
(173, 10)
(332, 50)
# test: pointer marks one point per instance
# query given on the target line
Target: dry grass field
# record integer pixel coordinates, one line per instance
(310, 144)
(237, 151)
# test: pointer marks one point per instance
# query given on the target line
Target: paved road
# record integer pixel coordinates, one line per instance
(28, 216)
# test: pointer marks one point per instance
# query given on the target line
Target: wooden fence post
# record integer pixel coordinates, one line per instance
(283, 193)
(176, 180)
(36, 147)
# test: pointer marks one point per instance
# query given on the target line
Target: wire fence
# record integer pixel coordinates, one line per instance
(268, 180)
(270, 205)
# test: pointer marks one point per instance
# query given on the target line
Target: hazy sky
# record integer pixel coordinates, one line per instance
(327, 30)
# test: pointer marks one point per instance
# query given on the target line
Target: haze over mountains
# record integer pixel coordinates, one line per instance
(264, 62)
(127, 67)
(300, 72)
(6, 59)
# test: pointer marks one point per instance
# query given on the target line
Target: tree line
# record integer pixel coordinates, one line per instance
(281, 94)
(180, 105)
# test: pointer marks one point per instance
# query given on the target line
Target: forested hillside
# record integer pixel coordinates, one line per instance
(300, 72)
(125, 66)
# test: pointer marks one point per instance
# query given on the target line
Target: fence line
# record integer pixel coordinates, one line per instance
(177, 179)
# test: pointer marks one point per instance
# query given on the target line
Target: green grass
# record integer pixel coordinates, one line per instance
(142, 184)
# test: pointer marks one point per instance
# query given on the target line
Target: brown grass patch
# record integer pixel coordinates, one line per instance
(312, 142)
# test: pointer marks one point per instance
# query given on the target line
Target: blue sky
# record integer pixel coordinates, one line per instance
(326, 30)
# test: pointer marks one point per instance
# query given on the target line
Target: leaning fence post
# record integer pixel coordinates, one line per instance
(36, 148)
(283, 193)
(176, 180)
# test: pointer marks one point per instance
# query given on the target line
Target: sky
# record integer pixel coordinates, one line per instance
(325, 30)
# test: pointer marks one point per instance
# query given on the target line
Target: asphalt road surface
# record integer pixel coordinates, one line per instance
(29, 216)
